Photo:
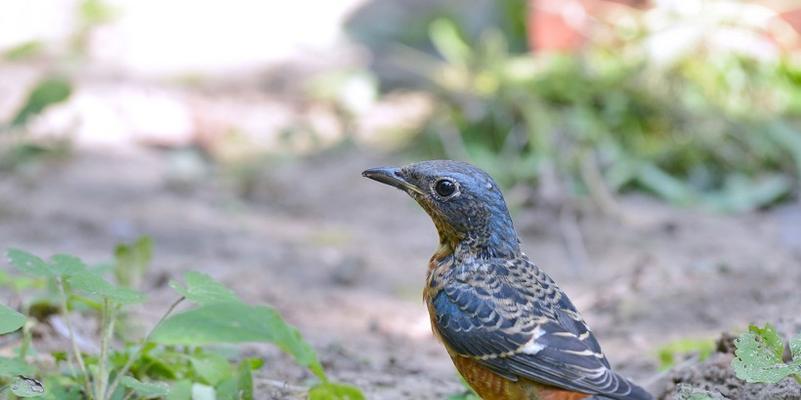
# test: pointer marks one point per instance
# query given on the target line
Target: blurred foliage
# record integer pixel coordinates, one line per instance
(47, 92)
(683, 117)
(389, 26)
(670, 353)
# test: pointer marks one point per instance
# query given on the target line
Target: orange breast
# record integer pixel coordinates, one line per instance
(491, 386)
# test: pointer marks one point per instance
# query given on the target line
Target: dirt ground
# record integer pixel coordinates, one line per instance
(344, 259)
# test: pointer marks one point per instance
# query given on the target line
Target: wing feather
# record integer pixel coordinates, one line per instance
(512, 318)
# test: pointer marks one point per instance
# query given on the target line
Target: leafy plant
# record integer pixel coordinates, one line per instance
(174, 360)
(761, 356)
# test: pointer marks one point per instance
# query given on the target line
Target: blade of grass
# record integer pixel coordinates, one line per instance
(132, 359)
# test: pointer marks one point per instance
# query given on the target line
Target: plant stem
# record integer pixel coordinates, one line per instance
(75, 350)
(106, 335)
(135, 356)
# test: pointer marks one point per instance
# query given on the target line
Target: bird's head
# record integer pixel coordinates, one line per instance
(464, 202)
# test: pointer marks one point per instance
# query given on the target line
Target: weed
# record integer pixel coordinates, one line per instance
(174, 360)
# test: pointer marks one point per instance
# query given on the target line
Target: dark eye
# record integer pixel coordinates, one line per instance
(445, 187)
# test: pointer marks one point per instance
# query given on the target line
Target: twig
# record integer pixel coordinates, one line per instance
(76, 352)
(135, 356)
(574, 240)
(599, 191)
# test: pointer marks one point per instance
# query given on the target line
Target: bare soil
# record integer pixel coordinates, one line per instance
(344, 259)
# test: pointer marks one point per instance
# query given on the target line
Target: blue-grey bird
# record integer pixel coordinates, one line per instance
(510, 331)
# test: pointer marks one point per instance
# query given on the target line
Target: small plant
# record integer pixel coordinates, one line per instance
(687, 392)
(762, 356)
(678, 349)
(174, 360)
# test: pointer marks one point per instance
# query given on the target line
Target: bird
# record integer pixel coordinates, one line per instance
(510, 331)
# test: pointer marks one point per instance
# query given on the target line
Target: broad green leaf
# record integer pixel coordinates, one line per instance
(181, 390)
(236, 322)
(203, 392)
(759, 357)
(227, 389)
(66, 265)
(212, 368)
(203, 289)
(29, 263)
(93, 284)
(47, 92)
(146, 390)
(27, 387)
(10, 367)
(335, 391)
(770, 338)
(10, 320)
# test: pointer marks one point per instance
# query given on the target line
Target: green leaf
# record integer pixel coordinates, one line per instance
(203, 392)
(132, 261)
(212, 368)
(10, 320)
(759, 357)
(66, 265)
(236, 322)
(181, 390)
(203, 289)
(335, 391)
(667, 353)
(663, 184)
(27, 387)
(445, 36)
(11, 367)
(93, 284)
(770, 338)
(29, 263)
(147, 390)
(47, 92)
(24, 50)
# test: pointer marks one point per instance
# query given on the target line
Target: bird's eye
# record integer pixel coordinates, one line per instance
(445, 187)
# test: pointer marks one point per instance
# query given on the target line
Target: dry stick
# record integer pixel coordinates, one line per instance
(76, 352)
(133, 358)
(599, 190)
(574, 240)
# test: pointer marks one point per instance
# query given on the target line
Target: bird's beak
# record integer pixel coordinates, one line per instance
(392, 177)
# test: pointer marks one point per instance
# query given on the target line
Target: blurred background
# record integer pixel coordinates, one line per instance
(650, 152)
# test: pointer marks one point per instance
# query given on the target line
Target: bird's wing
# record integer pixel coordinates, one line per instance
(511, 317)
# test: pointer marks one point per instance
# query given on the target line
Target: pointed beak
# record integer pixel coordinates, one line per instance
(392, 177)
